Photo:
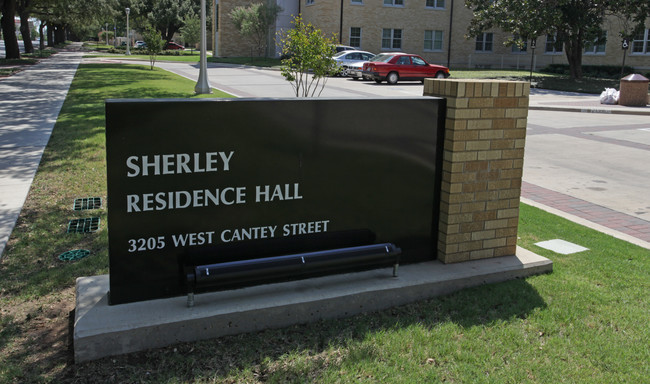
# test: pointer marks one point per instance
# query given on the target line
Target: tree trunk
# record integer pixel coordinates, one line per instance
(59, 34)
(9, 29)
(41, 34)
(50, 35)
(573, 49)
(24, 26)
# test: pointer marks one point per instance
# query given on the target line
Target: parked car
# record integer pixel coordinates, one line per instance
(140, 44)
(172, 45)
(340, 48)
(346, 58)
(393, 67)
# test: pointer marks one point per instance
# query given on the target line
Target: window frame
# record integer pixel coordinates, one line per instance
(595, 46)
(553, 44)
(645, 43)
(394, 3)
(393, 39)
(351, 37)
(434, 33)
(436, 4)
(484, 42)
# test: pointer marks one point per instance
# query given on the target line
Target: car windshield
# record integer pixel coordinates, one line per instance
(339, 54)
(382, 57)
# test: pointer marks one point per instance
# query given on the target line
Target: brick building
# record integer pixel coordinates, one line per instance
(434, 29)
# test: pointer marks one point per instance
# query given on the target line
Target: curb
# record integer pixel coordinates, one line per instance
(608, 111)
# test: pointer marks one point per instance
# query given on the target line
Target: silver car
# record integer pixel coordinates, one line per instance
(346, 59)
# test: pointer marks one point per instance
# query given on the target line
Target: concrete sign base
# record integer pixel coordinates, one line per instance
(101, 330)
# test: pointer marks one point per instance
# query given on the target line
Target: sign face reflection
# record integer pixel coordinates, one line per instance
(209, 181)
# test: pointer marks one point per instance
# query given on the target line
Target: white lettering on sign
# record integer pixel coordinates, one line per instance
(170, 164)
(252, 233)
(305, 228)
(190, 239)
(264, 193)
(185, 199)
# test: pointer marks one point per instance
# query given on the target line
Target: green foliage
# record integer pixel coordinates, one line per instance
(307, 59)
(167, 16)
(573, 22)
(254, 22)
(154, 42)
(594, 71)
(191, 31)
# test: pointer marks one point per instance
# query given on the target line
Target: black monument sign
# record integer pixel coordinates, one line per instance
(217, 181)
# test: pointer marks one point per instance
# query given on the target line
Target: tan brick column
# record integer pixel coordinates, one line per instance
(485, 132)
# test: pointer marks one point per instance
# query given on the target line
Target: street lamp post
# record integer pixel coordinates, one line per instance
(106, 29)
(203, 85)
(128, 38)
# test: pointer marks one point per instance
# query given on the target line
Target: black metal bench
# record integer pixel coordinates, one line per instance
(291, 267)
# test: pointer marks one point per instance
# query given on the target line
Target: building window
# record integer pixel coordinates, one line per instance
(394, 3)
(433, 40)
(484, 42)
(355, 37)
(552, 44)
(597, 46)
(516, 48)
(641, 43)
(356, 2)
(309, 2)
(438, 4)
(391, 39)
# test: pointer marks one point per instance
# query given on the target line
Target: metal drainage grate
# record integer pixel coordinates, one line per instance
(87, 203)
(88, 225)
(74, 255)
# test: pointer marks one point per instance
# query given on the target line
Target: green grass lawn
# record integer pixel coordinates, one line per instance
(587, 322)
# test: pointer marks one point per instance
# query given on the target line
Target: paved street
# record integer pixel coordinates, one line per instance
(593, 166)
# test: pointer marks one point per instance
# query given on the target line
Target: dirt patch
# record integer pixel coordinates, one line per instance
(39, 337)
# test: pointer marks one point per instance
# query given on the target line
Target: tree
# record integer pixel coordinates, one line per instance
(572, 22)
(254, 22)
(9, 29)
(191, 31)
(167, 16)
(308, 59)
(154, 43)
(25, 31)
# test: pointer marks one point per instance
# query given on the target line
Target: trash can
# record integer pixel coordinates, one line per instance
(634, 91)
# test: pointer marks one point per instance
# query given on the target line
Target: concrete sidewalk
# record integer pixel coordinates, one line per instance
(30, 102)
(548, 100)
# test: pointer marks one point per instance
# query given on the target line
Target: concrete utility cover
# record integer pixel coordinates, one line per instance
(561, 246)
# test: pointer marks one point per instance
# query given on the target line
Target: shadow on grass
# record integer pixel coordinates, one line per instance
(220, 358)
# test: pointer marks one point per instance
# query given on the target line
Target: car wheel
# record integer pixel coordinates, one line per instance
(392, 78)
(440, 75)
(377, 81)
(344, 72)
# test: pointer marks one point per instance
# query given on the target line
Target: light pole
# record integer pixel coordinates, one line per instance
(128, 38)
(203, 85)
(106, 29)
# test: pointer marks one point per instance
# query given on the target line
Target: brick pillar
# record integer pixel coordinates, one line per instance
(485, 133)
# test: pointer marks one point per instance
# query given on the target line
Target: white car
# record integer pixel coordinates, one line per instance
(346, 59)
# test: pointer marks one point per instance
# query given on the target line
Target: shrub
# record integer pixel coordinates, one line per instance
(596, 71)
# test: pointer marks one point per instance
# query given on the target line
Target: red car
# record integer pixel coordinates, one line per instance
(172, 45)
(393, 67)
